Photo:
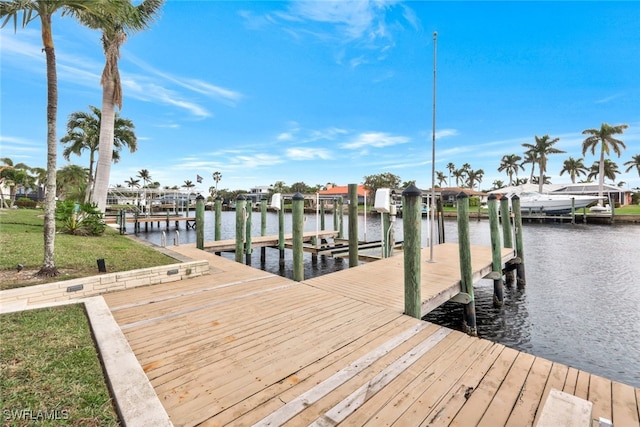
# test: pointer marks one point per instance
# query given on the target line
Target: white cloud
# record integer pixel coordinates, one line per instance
(376, 140)
(308, 154)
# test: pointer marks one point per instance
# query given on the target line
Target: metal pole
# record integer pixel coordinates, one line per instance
(433, 153)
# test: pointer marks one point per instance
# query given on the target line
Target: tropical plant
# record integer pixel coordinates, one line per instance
(574, 168)
(541, 150)
(45, 9)
(604, 138)
(382, 180)
(114, 29)
(510, 164)
(609, 169)
(71, 183)
(217, 176)
(530, 156)
(459, 175)
(80, 219)
(441, 177)
(633, 163)
(83, 133)
(497, 184)
(13, 176)
(450, 167)
(474, 176)
(188, 185)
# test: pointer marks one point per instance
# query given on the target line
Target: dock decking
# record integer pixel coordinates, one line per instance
(242, 347)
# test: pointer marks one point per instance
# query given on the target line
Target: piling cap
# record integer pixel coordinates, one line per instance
(218, 197)
(298, 196)
(241, 197)
(411, 191)
(462, 195)
(200, 197)
(515, 197)
(492, 196)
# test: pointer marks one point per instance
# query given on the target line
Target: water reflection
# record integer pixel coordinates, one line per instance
(580, 306)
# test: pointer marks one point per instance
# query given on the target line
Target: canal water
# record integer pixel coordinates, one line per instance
(581, 305)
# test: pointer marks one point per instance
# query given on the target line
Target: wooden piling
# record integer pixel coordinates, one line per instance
(386, 240)
(240, 227)
(340, 218)
(247, 235)
(322, 225)
(507, 236)
(281, 233)
(412, 222)
(263, 227)
(466, 275)
(573, 210)
(123, 221)
(515, 204)
(440, 216)
(496, 256)
(218, 224)
(353, 225)
(298, 231)
(335, 214)
(200, 221)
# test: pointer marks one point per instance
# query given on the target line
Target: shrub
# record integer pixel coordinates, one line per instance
(27, 203)
(82, 219)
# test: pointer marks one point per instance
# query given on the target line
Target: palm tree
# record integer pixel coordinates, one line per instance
(473, 176)
(83, 133)
(604, 138)
(71, 183)
(542, 148)
(10, 176)
(145, 176)
(217, 176)
(609, 170)
(114, 33)
(132, 183)
(451, 168)
(509, 163)
(633, 163)
(45, 9)
(188, 185)
(530, 156)
(574, 168)
(497, 184)
(458, 174)
(441, 177)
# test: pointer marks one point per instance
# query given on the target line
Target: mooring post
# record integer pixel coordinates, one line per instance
(298, 230)
(200, 222)
(167, 226)
(507, 236)
(247, 241)
(386, 241)
(263, 226)
(573, 210)
(240, 228)
(123, 221)
(496, 251)
(322, 215)
(515, 203)
(466, 282)
(412, 221)
(281, 233)
(353, 225)
(341, 218)
(440, 212)
(217, 232)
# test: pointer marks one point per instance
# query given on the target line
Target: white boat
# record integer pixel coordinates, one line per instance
(531, 201)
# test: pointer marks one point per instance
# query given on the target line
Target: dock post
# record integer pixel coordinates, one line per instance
(341, 218)
(322, 215)
(440, 212)
(466, 276)
(507, 236)
(200, 222)
(412, 220)
(573, 210)
(263, 227)
(281, 233)
(247, 236)
(521, 281)
(167, 220)
(496, 258)
(123, 221)
(335, 214)
(240, 207)
(298, 230)
(217, 231)
(353, 225)
(386, 241)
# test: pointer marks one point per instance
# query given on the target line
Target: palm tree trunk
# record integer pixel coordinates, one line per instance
(89, 190)
(601, 173)
(105, 146)
(48, 268)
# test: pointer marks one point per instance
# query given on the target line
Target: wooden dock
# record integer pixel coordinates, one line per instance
(229, 245)
(245, 347)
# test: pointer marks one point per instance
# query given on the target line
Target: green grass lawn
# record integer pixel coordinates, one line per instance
(50, 373)
(22, 242)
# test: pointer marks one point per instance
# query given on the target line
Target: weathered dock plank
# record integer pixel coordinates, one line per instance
(243, 347)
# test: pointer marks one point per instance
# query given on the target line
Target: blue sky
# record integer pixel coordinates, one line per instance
(321, 91)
